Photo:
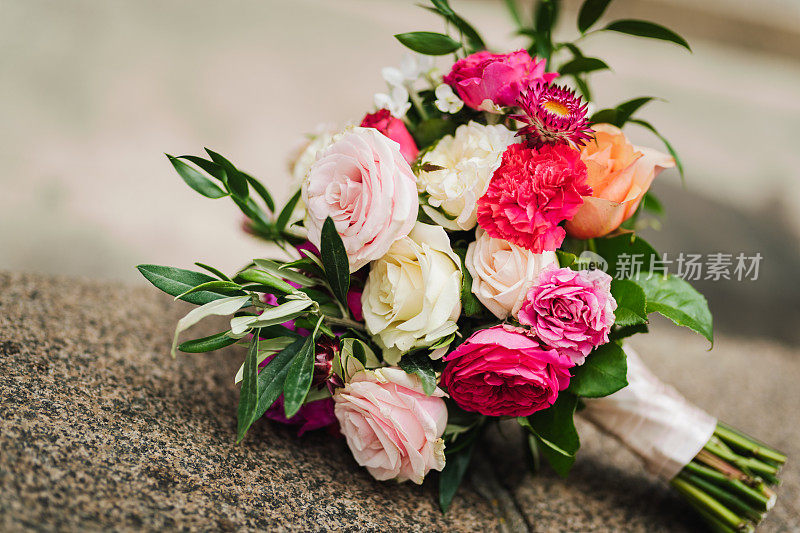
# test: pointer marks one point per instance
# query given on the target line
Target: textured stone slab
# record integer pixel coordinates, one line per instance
(100, 429)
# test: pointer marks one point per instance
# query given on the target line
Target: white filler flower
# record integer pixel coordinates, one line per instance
(457, 171)
(446, 100)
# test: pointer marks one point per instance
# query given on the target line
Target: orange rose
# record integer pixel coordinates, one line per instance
(619, 174)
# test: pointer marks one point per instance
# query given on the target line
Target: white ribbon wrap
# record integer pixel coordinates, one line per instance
(653, 420)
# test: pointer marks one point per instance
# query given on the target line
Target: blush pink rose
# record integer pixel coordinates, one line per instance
(502, 372)
(392, 427)
(498, 78)
(366, 186)
(570, 311)
(531, 193)
(394, 128)
(619, 174)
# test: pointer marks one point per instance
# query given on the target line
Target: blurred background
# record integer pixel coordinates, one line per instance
(92, 93)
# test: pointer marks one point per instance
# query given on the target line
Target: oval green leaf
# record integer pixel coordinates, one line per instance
(428, 43)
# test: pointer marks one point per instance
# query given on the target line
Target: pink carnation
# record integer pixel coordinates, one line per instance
(570, 311)
(394, 128)
(496, 77)
(531, 193)
(502, 372)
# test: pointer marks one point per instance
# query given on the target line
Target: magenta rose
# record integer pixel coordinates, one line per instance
(313, 415)
(570, 311)
(502, 372)
(498, 78)
(394, 128)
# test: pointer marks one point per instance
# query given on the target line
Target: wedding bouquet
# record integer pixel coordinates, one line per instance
(462, 256)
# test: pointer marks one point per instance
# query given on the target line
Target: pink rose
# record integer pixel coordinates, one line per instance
(366, 186)
(531, 193)
(392, 427)
(502, 372)
(312, 415)
(570, 311)
(498, 78)
(394, 128)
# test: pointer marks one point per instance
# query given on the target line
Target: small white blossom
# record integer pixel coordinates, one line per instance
(396, 101)
(412, 67)
(446, 99)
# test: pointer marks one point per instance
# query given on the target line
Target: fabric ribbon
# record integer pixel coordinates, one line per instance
(653, 420)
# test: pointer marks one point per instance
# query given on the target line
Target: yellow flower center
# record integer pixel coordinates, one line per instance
(556, 108)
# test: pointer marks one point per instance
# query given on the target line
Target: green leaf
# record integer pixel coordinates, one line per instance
(631, 303)
(431, 130)
(452, 475)
(195, 180)
(651, 30)
(626, 109)
(265, 278)
(420, 364)
(555, 429)
(590, 12)
(175, 281)
(428, 43)
(222, 307)
(279, 271)
(622, 251)
(470, 305)
(216, 286)
(471, 34)
(281, 313)
(604, 372)
(214, 271)
(604, 116)
(565, 259)
(622, 333)
(286, 212)
(209, 166)
(667, 145)
(582, 64)
(207, 344)
(651, 203)
(298, 379)
(234, 180)
(335, 261)
(272, 377)
(555, 425)
(248, 394)
(677, 300)
(261, 191)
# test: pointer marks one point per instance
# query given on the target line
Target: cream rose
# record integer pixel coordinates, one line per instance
(412, 297)
(502, 273)
(392, 427)
(364, 184)
(459, 169)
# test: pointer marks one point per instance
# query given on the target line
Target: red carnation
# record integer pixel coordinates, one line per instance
(531, 193)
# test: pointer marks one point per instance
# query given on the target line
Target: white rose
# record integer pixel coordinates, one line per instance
(412, 297)
(502, 273)
(467, 160)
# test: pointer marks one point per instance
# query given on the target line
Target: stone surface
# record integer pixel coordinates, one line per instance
(100, 429)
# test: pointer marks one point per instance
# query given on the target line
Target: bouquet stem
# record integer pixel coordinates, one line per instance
(728, 481)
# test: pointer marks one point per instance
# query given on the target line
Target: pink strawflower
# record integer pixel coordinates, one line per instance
(495, 77)
(502, 372)
(552, 115)
(313, 415)
(394, 128)
(531, 193)
(570, 311)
